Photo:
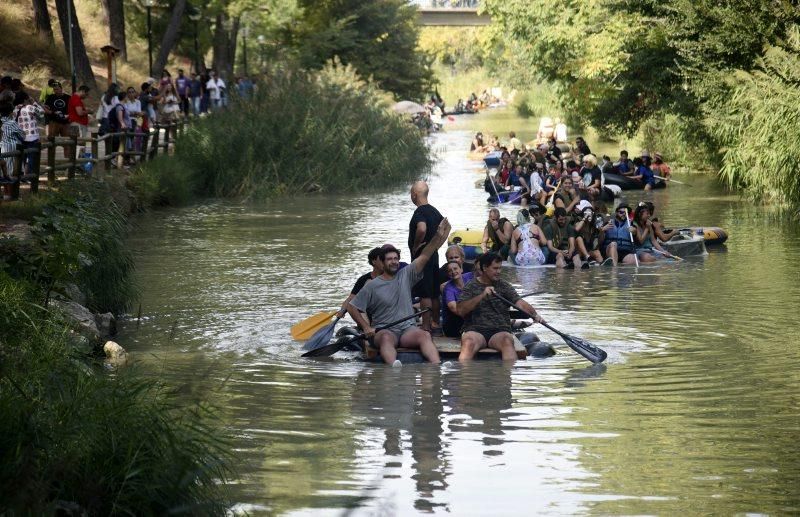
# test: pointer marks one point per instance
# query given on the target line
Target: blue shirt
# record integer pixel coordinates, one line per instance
(647, 175)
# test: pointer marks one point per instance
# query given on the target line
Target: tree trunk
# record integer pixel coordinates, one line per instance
(42, 21)
(83, 67)
(115, 13)
(170, 37)
(225, 46)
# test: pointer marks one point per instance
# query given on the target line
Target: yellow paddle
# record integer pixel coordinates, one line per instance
(306, 328)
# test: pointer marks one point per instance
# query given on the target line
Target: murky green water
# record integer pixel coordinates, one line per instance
(695, 412)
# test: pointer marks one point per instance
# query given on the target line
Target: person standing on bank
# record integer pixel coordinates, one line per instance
(421, 230)
(387, 298)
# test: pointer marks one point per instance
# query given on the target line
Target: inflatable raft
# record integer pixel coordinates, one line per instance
(625, 183)
(525, 344)
(469, 240)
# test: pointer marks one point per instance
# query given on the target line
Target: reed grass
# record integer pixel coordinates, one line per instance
(75, 440)
(758, 126)
(327, 132)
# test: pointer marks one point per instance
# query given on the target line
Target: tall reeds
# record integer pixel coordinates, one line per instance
(759, 124)
(328, 131)
(74, 438)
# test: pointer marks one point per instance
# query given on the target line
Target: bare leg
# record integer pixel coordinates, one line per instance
(435, 312)
(387, 344)
(630, 258)
(560, 262)
(596, 255)
(426, 303)
(647, 257)
(420, 339)
(581, 247)
(504, 342)
(576, 259)
(611, 251)
(471, 342)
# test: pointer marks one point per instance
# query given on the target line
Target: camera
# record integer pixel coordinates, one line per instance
(599, 223)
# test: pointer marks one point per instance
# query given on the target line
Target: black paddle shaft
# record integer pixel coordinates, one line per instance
(338, 345)
(580, 346)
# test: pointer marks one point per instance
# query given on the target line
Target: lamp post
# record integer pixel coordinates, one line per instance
(244, 48)
(195, 17)
(148, 4)
(261, 44)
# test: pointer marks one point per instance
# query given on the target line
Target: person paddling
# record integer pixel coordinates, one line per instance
(487, 322)
(387, 298)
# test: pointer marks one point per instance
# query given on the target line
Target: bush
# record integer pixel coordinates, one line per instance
(78, 238)
(76, 440)
(759, 124)
(328, 131)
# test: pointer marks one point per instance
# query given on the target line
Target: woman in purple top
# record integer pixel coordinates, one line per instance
(451, 321)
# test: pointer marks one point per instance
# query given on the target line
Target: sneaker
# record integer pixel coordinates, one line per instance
(585, 265)
(608, 262)
(397, 363)
(593, 263)
(447, 364)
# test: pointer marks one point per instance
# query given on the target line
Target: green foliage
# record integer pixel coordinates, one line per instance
(759, 124)
(75, 440)
(648, 67)
(328, 131)
(460, 48)
(77, 238)
(377, 37)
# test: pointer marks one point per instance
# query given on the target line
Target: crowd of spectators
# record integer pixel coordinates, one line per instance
(23, 118)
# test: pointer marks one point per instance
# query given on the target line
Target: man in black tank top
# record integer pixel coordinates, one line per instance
(421, 231)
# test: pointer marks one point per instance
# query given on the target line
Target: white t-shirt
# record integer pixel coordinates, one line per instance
(133, 106)
(213, 86)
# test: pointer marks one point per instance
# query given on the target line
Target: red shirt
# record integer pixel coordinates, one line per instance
(75, 102)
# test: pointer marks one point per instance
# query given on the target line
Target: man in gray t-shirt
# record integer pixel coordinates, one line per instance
(387, 298)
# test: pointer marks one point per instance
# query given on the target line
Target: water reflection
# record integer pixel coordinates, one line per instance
(696, 409)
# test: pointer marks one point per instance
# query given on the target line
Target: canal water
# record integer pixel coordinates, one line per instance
(695, 411)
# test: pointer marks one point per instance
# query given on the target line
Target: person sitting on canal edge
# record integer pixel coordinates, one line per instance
(487, 322)
(620, 247)
(388, 298)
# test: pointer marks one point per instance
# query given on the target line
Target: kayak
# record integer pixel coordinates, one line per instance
(525, 344)
(512, 197)
(625, 183)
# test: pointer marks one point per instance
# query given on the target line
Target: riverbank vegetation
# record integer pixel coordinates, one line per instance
(328, 131)
(74, 438)
(693, 69)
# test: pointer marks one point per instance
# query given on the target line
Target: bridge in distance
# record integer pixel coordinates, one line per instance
(452, 13)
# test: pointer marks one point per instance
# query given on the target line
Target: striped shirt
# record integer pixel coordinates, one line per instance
(12, 134)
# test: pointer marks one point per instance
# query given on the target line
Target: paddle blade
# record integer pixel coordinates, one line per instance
(330, 349)
(322, 337)
(306, 328)
(586, 349)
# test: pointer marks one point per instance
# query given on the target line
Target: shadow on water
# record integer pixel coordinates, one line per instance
(696, 409)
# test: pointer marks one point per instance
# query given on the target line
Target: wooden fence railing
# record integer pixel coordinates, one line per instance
(115, 146)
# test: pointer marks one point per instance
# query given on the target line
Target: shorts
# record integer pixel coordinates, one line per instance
(428, 286)
(487, 333)
(621, 254)
(397, 333)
